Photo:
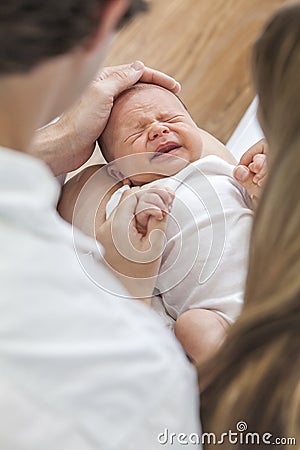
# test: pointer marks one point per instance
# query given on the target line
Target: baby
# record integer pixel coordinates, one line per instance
(151, 140)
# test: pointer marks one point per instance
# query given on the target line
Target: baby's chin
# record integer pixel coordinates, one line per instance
(169, 165)
(144, 178)
(161, 169)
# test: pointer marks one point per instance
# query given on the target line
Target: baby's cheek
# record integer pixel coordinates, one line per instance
(196, 144)
(120, 151)
(139, 145)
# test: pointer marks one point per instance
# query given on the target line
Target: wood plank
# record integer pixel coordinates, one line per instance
(206, 45)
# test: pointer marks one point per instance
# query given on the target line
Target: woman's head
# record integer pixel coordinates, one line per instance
(255, 376)
(276, 234)
(276, 62)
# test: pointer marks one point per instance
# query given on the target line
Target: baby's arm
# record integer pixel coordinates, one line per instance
(200, 332)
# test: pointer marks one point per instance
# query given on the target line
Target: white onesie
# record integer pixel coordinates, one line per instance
(204, 264)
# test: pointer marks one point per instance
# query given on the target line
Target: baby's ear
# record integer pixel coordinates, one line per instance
(115, 172)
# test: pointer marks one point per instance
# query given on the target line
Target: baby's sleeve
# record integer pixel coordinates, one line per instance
(115, 199)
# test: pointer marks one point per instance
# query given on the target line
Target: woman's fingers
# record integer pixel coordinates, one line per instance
(245, 178)
(241, 174)
(252, 170)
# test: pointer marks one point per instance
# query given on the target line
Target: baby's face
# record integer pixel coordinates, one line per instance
(152, 122)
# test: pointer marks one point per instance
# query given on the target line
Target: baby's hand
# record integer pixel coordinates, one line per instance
(259, 169)
(152, 202)
(252, 170)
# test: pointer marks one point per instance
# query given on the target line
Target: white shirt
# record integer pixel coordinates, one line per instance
(205, 260)
(80, 368)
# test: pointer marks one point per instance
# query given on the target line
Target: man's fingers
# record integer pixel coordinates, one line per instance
(161, 79)
(155, 236)
(123, 76)
(119, 78)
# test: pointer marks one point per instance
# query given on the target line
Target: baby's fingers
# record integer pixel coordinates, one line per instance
(259, 148)
(150, 205)
(257, 163)
(165, 193)
(262, 169)
(143, 216)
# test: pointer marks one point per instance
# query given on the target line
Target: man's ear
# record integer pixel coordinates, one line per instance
(115, 172)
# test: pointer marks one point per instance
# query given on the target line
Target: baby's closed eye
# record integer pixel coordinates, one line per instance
(178, 117)
(134, 135)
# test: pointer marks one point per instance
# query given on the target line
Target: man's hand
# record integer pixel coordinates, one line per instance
(134, 256)
(68, 144)
(251, 171)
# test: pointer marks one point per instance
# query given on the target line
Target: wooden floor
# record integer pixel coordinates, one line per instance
(206, 45)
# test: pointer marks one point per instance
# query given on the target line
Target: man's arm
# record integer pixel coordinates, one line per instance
(68, 144)
(53, 145)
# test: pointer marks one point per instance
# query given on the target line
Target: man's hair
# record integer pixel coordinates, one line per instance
(34, 30)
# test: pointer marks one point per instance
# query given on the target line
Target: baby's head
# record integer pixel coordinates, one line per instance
(151, 123)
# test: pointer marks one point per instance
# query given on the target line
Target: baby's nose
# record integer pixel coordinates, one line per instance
(157, 130)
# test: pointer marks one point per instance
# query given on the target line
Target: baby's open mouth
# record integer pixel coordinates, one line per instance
(165, 148)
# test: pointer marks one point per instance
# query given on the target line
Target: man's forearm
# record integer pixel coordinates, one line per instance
(53, 145)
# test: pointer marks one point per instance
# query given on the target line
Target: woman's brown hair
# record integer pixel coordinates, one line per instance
(255, 377)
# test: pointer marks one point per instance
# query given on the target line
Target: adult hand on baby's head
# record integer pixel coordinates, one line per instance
(135, 255)
(251, 171)
(119, 78)
(87, 119)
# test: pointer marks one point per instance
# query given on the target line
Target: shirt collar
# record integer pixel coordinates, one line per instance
(27, 176)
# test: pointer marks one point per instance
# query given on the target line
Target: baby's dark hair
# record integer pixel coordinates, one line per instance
(137, 86)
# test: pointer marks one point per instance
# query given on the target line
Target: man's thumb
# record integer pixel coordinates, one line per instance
(156, 236)
(127, 76)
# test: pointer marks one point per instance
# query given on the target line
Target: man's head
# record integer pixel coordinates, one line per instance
(32, 31)
(152, 124)
(51, 50)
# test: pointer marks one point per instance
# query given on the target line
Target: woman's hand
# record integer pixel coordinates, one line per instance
(252, 170)
(69, 143)
(134, 254)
